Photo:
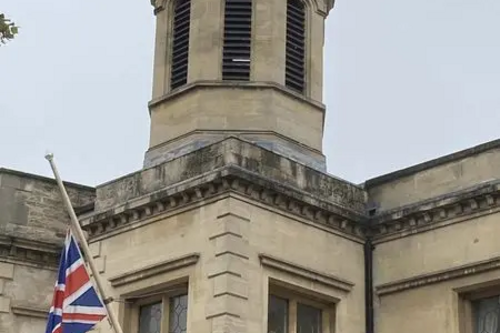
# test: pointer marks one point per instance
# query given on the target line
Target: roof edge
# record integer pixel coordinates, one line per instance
(44, 179)
(475, 150)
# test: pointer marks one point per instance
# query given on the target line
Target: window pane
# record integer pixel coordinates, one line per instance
(277, 315)
(178, 314)
(150, 318)
(308, 319)
(487, 315)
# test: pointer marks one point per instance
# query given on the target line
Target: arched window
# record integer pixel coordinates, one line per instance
(237, 40)
(180, 44)
(295, 45)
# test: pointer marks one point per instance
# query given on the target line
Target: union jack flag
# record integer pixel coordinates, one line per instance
(76, 306)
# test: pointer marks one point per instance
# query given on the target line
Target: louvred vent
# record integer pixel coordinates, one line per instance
(180, 44)
(237, 40)
(295, 44)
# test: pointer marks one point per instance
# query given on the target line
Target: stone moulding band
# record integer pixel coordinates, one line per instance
(29, 311)
(306, 273)
(419, 217)
(154, 269)
(29, 252)
(432, 213)
(438, 276)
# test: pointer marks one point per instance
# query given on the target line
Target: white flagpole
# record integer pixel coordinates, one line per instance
(85, 247)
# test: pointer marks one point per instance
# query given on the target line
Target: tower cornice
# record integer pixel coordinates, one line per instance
(321, 6)
(215, 84)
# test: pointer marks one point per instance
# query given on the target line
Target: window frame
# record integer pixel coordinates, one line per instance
(151, 298)
(327, 309)
(466, 310)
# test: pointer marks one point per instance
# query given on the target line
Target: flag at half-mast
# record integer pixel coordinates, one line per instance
(76, 306)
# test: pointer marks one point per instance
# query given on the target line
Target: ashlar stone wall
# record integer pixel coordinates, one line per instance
(439, 251)
(33, 223)
(230, 252)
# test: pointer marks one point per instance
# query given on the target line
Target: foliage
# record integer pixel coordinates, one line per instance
(8, 29)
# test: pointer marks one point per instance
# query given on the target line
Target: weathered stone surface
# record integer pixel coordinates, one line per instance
(31, 205)
(231, 152)
(25, 298)
(33, 222)
(439, 177)
(4, 304)
(6, 270)
(200, 139)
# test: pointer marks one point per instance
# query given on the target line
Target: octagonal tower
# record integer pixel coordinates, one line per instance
(246, 68)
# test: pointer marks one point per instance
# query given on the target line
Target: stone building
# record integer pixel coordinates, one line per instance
(233, 224)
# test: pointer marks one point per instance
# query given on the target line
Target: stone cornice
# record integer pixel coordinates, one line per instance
(29, 311)
(437, 212)
(420, 217)
(305, 273)
(154, 269)
(229, 178)
(322, 7)
(29, 252)
(438, 276)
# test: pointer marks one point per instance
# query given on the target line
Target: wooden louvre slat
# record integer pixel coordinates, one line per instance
(295, 45)
(180, 44)
(237, 40)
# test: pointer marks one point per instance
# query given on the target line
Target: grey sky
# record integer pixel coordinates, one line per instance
(405, 81)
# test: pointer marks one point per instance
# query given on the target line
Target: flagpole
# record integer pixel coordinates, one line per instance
(85, 247)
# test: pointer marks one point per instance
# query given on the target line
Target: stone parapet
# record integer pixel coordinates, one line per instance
(231, 179)
(435, 178)
(31, 206)
(231, 152)
(228, 166)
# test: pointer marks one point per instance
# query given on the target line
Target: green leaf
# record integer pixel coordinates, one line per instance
(8, 29)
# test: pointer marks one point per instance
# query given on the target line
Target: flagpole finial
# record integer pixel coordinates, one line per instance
(49, 156)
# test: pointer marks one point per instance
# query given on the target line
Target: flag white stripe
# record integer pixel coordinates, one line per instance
(77, 321)
(85, 310)
(57, 312)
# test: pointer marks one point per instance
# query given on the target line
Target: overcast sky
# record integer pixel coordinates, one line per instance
(405, 81)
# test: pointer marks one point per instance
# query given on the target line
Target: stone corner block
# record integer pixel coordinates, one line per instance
(4, 304)
(6, 270)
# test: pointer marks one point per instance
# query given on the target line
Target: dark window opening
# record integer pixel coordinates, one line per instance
(237, 40)
(295, 46)
(180, 44)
